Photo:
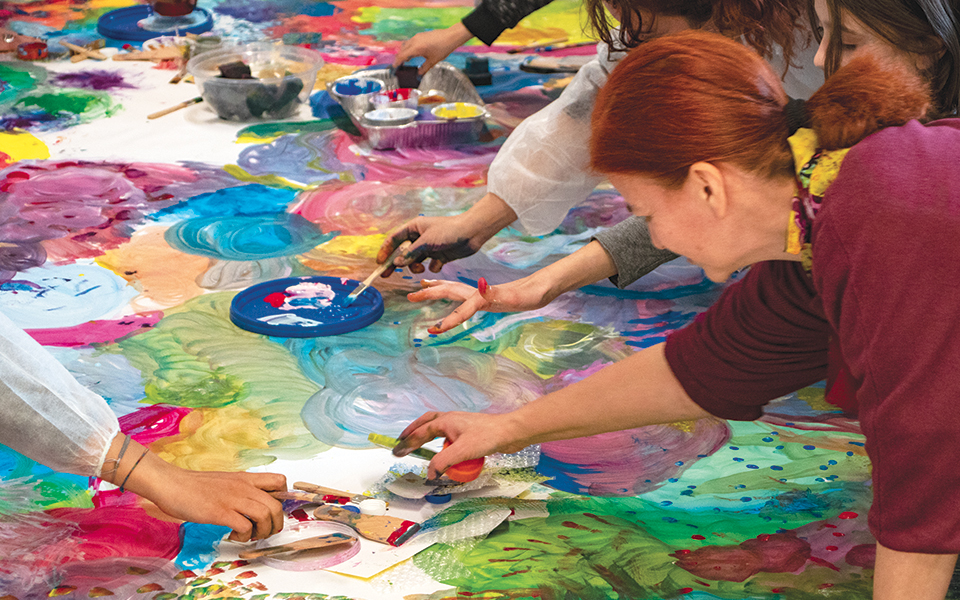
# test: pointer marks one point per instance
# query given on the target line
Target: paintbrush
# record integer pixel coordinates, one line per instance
(325, 492)
(320, 541)
(565, 46)
(175, 107)
(315, 498)
(379, 270)
(386, 530)
(535, 46)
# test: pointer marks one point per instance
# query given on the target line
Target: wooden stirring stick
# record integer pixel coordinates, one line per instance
(320, 541)
(81, 53)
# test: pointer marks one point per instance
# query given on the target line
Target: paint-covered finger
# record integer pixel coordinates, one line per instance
(460, 314)
(416, 267)
(435, 265)
(410, 442)
(393, 241)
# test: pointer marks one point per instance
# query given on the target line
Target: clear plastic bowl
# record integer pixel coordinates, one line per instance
(284, 76)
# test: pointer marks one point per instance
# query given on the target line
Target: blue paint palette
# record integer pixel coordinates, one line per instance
(305, 307)
(123, 24)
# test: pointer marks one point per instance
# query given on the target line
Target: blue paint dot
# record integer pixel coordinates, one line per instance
(783, 480)
(777, 468)
(737, 459)
(849, 453)
(823, 467)
(809, 447)
(739, 486)
(433, 335)
(831, 462)
(768, 439)
(779, 448)
(679, 463)
(673, 480)
(407, 277)
(692, 487)
(774, 433)
(821, 479)
(686, 493)
(752, 467)
(416, 345)
(396, 322)
(417, 339)
(746, 499)
(734, 448)
(789, 424)
(857, 443)
(701, 456)
(669, 519)
(666, 503)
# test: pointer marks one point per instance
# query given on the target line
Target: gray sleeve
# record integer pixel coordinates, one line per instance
(628, 244)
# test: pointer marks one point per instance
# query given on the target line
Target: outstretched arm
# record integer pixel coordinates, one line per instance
(585, 266)
(239, 501)
(637, 391)
(899, 575)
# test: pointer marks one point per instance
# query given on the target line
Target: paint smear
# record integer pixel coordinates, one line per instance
(20, 145)
(58, 109)
(92, 79)
(95, 332)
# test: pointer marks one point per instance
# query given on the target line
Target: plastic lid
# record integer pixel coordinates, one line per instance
(305, 307)
(122, 24)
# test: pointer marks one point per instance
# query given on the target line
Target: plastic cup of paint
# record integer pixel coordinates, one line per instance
(374, 506)
(457, 110)
(432, 98)
(399, 98)
(390, 117)
(355, 94)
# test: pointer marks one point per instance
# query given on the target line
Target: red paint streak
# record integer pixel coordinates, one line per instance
(702, 582)
(683, 552)
(331, 499)
(847, 515)
(246, 575)
(300, 515)
(832, 548)
(186, 574)
(824, 586)
(573, 525)
(838, 534)
(501, 560)
(824, 563)
(94, 332)
(563, 537)
(276, 299)
(516, 573)
(831, 526)
(400, 535)
(593, 516)
(515, 548)
(697, 537)
(540, 542)
(686, 590)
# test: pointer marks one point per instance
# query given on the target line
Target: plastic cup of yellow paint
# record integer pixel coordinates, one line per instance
(457, 110)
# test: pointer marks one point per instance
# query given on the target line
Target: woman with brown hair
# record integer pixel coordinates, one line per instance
(542, 170)
(851, 227)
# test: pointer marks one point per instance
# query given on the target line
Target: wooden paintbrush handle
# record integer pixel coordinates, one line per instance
(379, 271)
(325, 491)
(386, 530)
(320, 541)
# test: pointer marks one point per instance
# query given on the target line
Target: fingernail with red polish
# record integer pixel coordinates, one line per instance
(482, 286)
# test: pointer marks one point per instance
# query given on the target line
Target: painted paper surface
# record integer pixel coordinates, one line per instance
(123, 242)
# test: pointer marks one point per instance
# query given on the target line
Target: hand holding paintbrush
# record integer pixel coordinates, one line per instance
(369, 280)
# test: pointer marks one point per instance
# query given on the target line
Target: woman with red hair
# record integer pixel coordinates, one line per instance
(851, 227)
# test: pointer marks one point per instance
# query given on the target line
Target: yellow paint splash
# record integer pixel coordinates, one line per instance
(165, 277)
(212, 439)
(20, 145)
(268, 180)
(354, 245)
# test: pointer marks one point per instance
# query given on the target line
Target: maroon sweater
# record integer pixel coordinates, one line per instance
(886, 283)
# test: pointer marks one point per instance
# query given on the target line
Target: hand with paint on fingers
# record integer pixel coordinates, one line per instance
(433, 46)
(239, 501)
(445, 239)
(515, 296)
(471, 435)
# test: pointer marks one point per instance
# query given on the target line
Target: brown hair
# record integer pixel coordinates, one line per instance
(923, 27)
(762, 23)
(698, 96)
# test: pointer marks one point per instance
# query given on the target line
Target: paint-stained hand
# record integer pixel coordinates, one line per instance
(440, 239)
(471, 435)
(433, 46)
(515, 296)
(239, 501)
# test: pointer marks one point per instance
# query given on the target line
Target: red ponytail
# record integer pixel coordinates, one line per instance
(698, 96)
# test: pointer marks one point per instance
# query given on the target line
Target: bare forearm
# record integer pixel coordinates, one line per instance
(911, 575)
(637, 391)
(587, 265)
(488, 216)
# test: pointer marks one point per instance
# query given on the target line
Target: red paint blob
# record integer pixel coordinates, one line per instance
(832, 548)
(275, 299)
(847, 515)
(698, 537)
